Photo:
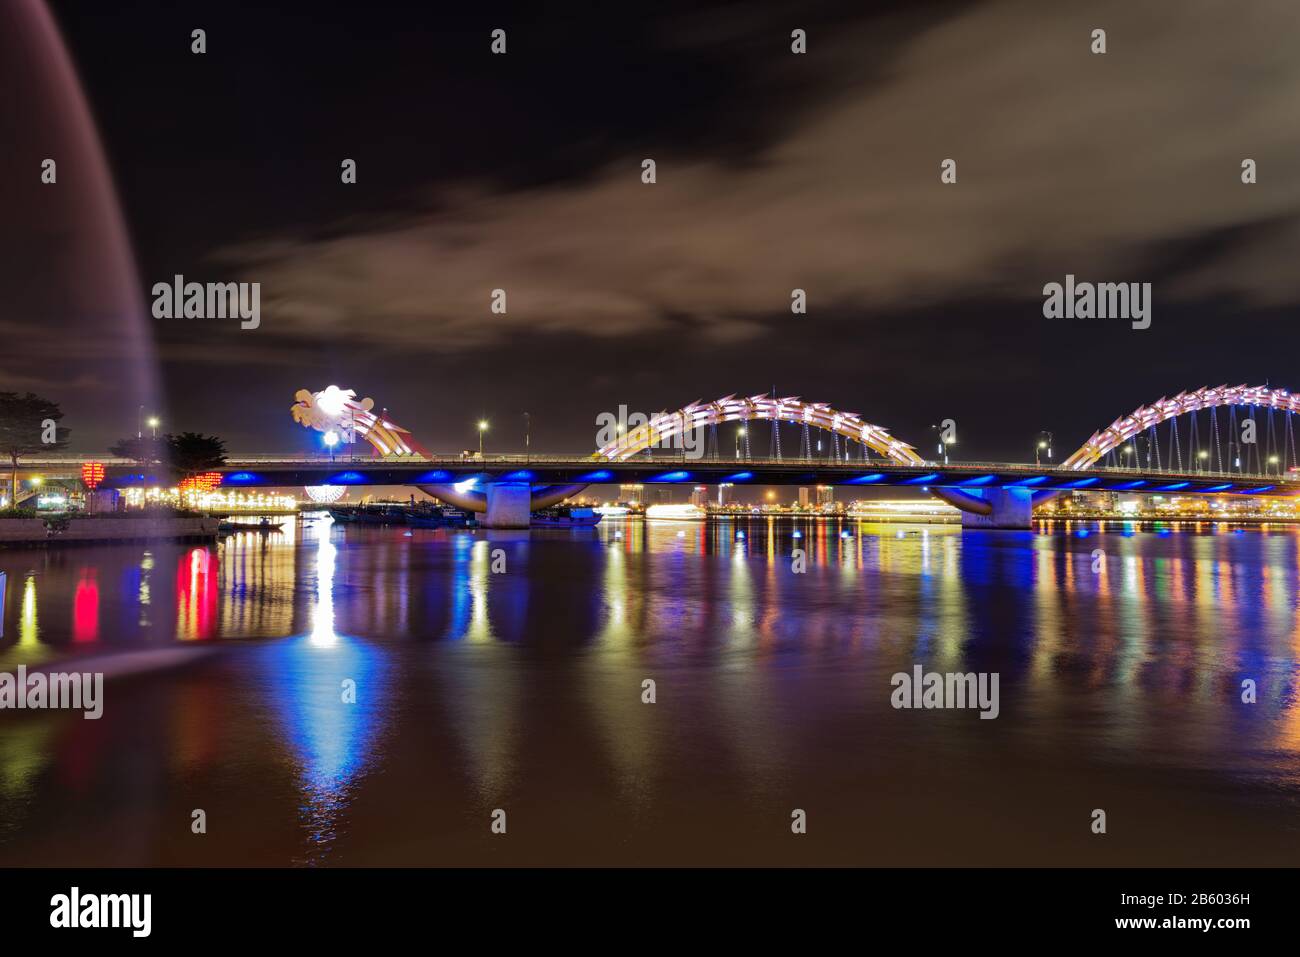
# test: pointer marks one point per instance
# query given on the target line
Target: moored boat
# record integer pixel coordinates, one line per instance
(422, 515)
(230, 528)
(565, 516)
(677, 513)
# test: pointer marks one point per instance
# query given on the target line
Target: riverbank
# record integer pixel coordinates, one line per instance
(96, 529)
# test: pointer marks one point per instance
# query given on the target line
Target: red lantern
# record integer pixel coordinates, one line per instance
(92, 473)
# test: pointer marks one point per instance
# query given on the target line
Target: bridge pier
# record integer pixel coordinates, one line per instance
(991, 507)
(502, 504)
(508, 505)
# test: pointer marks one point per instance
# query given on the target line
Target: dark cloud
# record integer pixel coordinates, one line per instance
(1067, 161)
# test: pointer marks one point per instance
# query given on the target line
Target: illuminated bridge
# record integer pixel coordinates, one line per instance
(1227, 440)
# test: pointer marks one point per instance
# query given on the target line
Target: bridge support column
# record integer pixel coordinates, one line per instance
(991, 507)
(508, 505)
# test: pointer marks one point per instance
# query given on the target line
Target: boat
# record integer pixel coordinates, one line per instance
(381, 514)
(421, 521)
(677, 513)
(264, 526)
(437, 518)
(421, 515)
(565, 516)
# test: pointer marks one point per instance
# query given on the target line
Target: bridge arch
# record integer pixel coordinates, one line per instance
(1144, 420)
(667, 426)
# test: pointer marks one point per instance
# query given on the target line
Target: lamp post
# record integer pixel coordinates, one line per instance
(528, 425)
(331, 440)
(153, 424)
(943, 446)
(1044, 445)
(1201, 456)
(482, 427)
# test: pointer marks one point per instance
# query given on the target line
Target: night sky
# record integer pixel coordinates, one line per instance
(775, 171)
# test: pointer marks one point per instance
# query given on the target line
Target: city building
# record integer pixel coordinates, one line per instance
(631, 494)
(805, 497)
(825, 495)
(726, 493)
(700, 496)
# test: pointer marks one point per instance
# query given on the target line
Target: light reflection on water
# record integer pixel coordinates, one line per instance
(329, 694)
(507, 667)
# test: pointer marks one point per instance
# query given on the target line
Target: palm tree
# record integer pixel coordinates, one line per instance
(192, 453)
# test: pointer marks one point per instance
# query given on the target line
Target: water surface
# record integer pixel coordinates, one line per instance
(1120, 654)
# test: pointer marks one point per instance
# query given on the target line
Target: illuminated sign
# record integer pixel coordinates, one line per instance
(92, 473)
(201, 483)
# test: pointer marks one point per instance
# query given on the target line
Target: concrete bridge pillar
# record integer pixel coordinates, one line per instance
(502, 504)
(991, 507)
(508, 505)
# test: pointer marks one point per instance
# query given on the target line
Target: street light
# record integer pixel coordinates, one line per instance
(153, 424)
(528, 427)
(482, 427)
(739, 432)
(1202, 455)
(1272, 460)
(943, 446)
(331, 440)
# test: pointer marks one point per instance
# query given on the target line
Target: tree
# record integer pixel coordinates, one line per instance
(192, 453)
(28, 424)
(146, 450)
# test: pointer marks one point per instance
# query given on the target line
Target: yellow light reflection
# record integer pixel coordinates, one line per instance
(28, 625)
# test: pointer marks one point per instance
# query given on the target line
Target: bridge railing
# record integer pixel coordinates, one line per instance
(1288, 475)
(676, 458)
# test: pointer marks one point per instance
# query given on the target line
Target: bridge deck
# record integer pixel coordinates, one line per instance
(268, 472)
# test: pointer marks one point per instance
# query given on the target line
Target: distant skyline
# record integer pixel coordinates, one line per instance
(775, 171)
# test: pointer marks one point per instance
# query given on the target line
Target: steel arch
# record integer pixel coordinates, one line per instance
(1144, 417)
(667, 425)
